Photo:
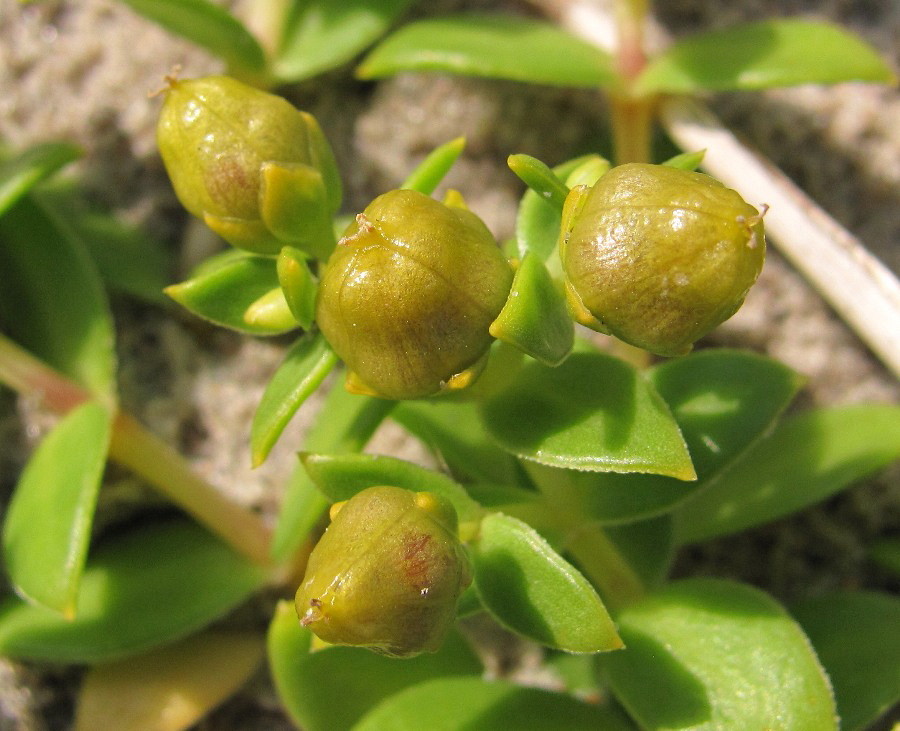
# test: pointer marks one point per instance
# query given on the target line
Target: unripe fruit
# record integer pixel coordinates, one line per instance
(386, 574)
(408, 296)
(245, 160)
(657, 256)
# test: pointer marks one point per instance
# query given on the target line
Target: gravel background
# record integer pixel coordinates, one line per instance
(82, 71)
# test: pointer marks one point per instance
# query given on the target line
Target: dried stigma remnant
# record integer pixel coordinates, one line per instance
(658, 256)
(386, 574)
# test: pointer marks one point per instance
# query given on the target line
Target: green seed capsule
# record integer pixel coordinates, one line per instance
(409, 294)
(246, 162)
(658, 257)
(386, 574)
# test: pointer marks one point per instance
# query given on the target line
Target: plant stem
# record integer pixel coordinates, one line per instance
(135, 447)
(604, 565)
(25, 374)
(632, 117)
(148, 456)
(587, 542)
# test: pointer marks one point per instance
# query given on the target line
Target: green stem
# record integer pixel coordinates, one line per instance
(603, 564)
(587, 542)
(632, 116)
(135, 447)
(161, 466)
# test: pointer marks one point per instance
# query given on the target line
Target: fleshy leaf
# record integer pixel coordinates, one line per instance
(454, 432)
(535, 319)
(221, 293)
(886, 553)
(480, 705)
(723, 400)
(647, 545)
(351, 421)
(47, 527)
(431, 171)
(855, 636)
(52, 300)
(763, 55)
(491, 46)
(306, 364)
(686, 160)
(128, 260)
(19, 174)
(807, 458)
(540, 179)
(333, 687)
(538, 222)
(532, 590)
(142, 589)
(298, 284)
(711, 654)
(340, 477)
(207, 25)
(594, 412)
(319, 35)
(170, 688)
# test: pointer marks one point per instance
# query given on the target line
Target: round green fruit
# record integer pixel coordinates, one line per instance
(658, 256)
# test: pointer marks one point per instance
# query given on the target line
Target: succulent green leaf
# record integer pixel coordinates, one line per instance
(304, 368)
(333, 687)
(648, 546)
(57, 492)
(482, 705)
(20, 173)
(294, 206)
(431, 171)
(341, 476)
(714, 654)
(52, 300)
(223, 293)
(886, 553)
(140, 589)
(128, 260)
(207, 25)
(350, 420)
(532, 590)
(807, 458)
(855, 636)
(540, 178)
(298, 284)
(491, 46)
(319, 35)
(171, 687)
(534, 318)
(686, 160)
(453, 430)
(763, 55)
(538, 222)
(723, 400)
(594, 412)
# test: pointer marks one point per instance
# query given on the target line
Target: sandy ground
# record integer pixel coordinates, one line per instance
(81, 72)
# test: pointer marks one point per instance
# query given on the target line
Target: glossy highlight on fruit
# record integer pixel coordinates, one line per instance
(386, 574)
(657, 256)
(257, 170)
(408, 296)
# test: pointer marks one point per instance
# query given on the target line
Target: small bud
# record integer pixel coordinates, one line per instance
(409, 294)
(386, 574)
(657, 256)
(237, 156)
